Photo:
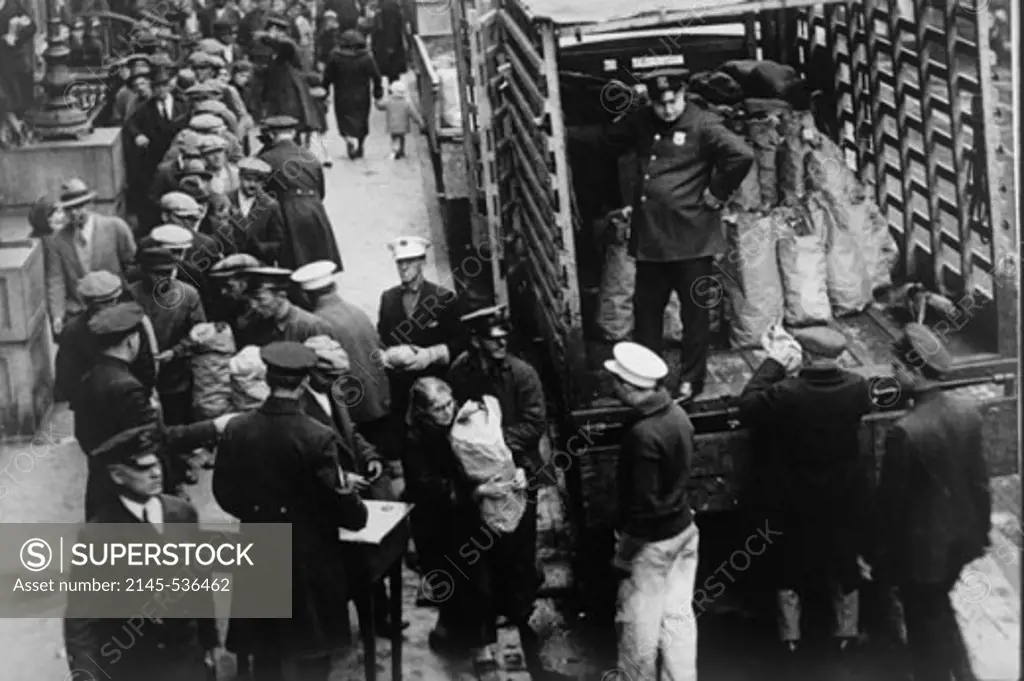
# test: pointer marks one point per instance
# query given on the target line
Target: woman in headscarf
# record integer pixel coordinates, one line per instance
(47, 218)
(352, 74)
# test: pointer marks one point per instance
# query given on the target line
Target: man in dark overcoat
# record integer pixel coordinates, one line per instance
(487, 368)
(162, 648)
(418, 325)
(688, 163)
(297, 182)
(259, 214)
(357, 455)
(807, 442)
(934, 505)
(111, 400)
(278, 464)
(365, 388)
(152, 128)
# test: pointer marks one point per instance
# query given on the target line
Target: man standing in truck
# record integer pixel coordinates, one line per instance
(806, 429)
(687, 166)
(657, 539)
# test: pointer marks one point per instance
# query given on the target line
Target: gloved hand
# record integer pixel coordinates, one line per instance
(783, 348)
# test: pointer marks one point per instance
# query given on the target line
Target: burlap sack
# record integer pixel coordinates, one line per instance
(211, 369)
(752, 281)
(881, 253)
(799, 135)
(849, 287)
(763, 131)
(804, 270)
(249, 387)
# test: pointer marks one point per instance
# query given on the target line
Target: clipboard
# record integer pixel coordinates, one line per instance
(382, 517)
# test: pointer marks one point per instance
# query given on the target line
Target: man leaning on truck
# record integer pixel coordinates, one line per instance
(657, 542)
(687, 165)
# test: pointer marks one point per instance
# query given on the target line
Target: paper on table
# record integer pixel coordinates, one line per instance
(381, 518)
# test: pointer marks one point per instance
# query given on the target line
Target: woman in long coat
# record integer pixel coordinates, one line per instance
(389, 40)
(352, 74)
(282, 86)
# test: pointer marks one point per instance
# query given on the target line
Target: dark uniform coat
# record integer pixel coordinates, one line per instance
(277, 464)
(434, 321)
(354, 331)
(168, 649)
(263, 227)
(112, 400)
(807, 449)
(297, 182)
(676, 162)
(934, 501)
(352, 74)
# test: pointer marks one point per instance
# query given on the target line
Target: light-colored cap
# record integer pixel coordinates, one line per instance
(254, 166)
(636, 365)
(172, 236)
(315, 275)
(820, 341)
(99, 286)
(205, 122)
(208, 143)
(409, 247)
(180, 203)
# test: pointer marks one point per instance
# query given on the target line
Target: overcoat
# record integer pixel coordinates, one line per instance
(147, 120)
(675, 163)
(352, 74)
(806, 434)
(17, 65)
(263, 227)
(277, 464)
(297, 182)
(389, 39)
(934, 500)
(168, 649)
(434, 320)
(283, 89)
(354, 331)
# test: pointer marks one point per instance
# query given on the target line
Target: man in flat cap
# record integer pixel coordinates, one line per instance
(687, 164)
(807, 451)
(165, 181)
(166, 648)
(111, 400)
(934, 505)
(278, 464)
(201, 251)
(361, 461)
(487, 368)
(657, 540)
(259, 214)
(224, 178)
(269, 289)
(297, 182)
(77, 351)
(173, 307)
(91, 242)
(365, 386)
(418, 324)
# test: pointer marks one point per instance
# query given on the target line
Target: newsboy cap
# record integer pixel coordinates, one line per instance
(234, 265)
(116, 321)
(821, 341)
(99, 287)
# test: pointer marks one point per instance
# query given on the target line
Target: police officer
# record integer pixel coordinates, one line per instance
(112, 400)
(418, 324)
(278, 464)
(935, 505)
(166, 648)
(688, 164)
(807, 445)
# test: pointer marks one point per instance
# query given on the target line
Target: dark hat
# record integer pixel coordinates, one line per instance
(75, 192)
(224, 25)
(279, 21)
(154, 257)
(161, 75)
(99, 287)
(821, 341)
(128, 445)
(195, 186)
(921, 347)
(716, 87)
(489, 322)
(234, 265)
(665, 80)
(144, 39)
(117, 321)
(280, 123)
(275, 277)
(288, 358)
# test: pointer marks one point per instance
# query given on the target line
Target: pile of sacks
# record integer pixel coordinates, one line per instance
(806, 243)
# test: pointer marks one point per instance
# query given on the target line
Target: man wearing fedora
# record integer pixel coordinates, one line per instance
(934, 505)
(657, 540)
(91, 242)
(688, 164)
(807, 456)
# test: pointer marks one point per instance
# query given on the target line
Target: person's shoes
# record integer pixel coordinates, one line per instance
(688, 392)
(352, 150)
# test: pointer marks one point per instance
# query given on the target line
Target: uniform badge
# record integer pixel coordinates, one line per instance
(679, 139)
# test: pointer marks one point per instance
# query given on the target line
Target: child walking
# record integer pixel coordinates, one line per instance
(399, 112)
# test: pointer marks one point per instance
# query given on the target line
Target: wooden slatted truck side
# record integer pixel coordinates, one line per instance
(914, 105)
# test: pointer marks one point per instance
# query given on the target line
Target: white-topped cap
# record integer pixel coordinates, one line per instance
(636, 365)
(315, 275)
(409, 247)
